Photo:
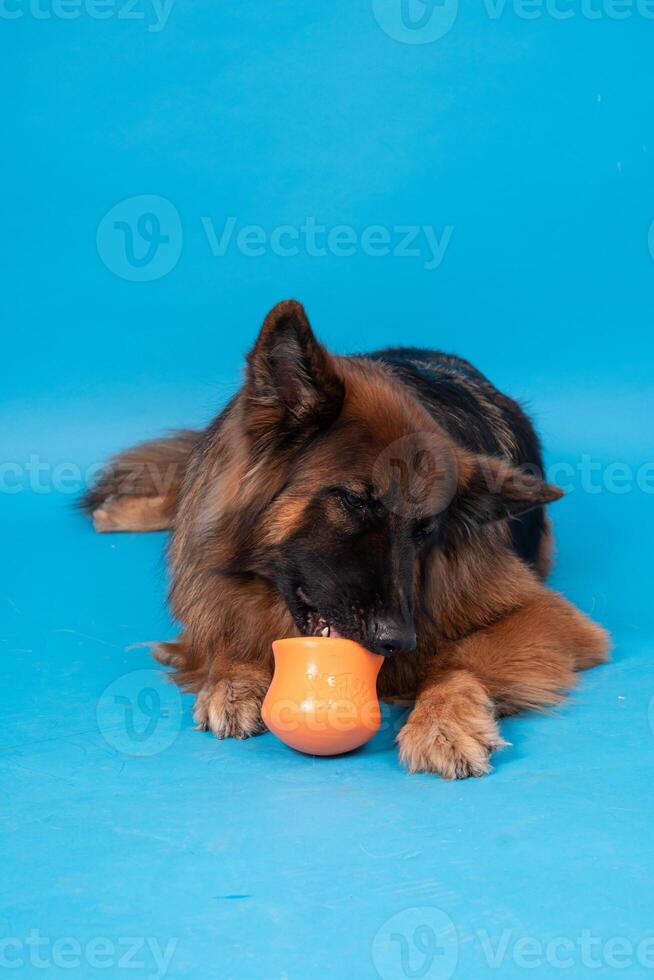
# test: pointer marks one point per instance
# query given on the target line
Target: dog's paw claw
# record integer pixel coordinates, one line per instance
(230, 709)
(452, 752)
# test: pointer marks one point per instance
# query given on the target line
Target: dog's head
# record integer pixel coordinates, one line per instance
(366, 484)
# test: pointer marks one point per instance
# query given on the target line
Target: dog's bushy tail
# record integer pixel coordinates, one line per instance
(151, 469)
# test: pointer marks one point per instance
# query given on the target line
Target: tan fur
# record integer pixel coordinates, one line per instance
(230, 706)
(492, 639)
(452, 729)
(150, 469)
(525, 660)
(134, 514)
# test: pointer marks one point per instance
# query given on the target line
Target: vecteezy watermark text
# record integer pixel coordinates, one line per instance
(423, 942)
(140, 239)
(129, 953)
(38, 475)
(317, 240)
(153, 13)
(425, 21)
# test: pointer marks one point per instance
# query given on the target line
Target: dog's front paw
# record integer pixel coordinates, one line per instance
(231, 708)
(455, 748)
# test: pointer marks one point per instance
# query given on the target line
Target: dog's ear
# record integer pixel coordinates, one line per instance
(490, 489)
(291, 386)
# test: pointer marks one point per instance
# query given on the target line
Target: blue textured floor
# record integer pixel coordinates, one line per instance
(135, 846)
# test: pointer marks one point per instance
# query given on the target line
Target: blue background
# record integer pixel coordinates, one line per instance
(533, 139)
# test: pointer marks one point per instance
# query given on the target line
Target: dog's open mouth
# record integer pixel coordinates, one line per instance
(314, 624)
(317, 625)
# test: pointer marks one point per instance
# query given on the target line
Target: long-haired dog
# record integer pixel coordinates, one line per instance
(395, 499)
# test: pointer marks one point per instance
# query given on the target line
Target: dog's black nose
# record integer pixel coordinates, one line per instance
(392, 637)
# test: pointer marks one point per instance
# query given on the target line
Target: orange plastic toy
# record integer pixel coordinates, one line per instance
(323, 695)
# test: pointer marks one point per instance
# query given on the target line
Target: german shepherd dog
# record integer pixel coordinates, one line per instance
(395, 499)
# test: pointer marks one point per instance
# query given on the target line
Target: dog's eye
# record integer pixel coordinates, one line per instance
(353, 500)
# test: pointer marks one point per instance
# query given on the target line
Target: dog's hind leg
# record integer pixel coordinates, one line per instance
(138, 489)
(134, 514)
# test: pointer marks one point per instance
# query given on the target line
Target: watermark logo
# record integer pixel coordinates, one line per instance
(316, 240)
(583, 952)
(425, 21)
(140, 713)
(417, 475)
(155, 13)
(145, 954)
(422, 944)
(412, 472)
(140, 238)
(416, 944)
(416, 21)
